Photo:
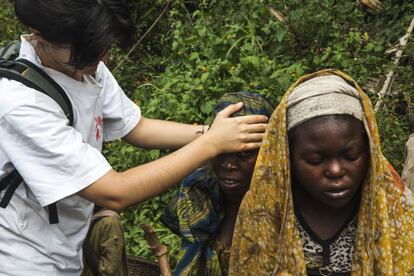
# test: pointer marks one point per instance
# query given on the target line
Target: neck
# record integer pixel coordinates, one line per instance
(232, 205)
(225, 234)
(49, 62)
(309, 205)
(325, 221)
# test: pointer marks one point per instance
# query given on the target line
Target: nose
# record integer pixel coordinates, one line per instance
(334, 169)
(230, 162)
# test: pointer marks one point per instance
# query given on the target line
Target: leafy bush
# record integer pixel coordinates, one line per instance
(225, 46)
(221, 46)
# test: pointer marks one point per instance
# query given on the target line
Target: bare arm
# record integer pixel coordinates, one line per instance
(151, 133)
(117, 191)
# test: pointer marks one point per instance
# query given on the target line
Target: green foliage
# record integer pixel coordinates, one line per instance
(149, 212)
(201, 49)
(10, 29)
(222, 46)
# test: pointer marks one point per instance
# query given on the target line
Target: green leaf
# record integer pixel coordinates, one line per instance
(204, 76)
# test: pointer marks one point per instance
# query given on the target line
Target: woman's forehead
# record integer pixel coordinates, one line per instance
(328, 130)
(324, 125)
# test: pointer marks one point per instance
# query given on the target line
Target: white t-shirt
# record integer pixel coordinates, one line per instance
(56, 161)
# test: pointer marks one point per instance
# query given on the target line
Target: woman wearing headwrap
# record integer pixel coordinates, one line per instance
(205, 209)
(323, 198)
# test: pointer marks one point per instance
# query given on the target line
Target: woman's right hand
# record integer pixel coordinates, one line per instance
(235, 134)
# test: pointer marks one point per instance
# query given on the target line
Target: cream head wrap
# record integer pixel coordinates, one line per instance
(324, 95)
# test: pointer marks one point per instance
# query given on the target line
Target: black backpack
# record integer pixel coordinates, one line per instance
(29, 74)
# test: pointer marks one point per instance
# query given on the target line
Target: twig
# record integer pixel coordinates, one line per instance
(142, 37)
(388, 81)
(373, 5)
(281, 18)
(159, 250)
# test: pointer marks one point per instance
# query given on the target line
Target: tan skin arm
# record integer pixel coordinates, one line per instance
(151, 133)
(117, 191)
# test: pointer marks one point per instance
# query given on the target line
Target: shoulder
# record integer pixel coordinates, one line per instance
(110, 86)
(104, 76)
(108, 224)
(15, 94)
(203, 178)
(109, 220)
(201, 187)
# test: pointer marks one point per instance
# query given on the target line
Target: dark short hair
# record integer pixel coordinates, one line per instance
(89, 27)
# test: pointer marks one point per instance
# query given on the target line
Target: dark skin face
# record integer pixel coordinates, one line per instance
(234, 171)
(330, 159)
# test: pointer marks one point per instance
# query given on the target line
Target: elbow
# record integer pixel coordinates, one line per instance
(118, 195)
(108, 192)
(111, 202)
(115, 205)
(116, 201)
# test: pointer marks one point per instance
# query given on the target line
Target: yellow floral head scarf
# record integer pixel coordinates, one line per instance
(266, 240)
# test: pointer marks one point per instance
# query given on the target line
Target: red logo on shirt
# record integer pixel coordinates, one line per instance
(98, 127)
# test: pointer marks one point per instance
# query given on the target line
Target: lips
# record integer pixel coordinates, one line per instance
(229, 183)
(337, 193)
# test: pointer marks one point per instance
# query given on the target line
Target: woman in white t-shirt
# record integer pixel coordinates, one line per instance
(63, 164)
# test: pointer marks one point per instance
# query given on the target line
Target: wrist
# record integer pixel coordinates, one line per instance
(203, 129)
(208, 142)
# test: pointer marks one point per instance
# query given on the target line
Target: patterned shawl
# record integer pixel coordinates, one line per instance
(266, 240)
(195, 214)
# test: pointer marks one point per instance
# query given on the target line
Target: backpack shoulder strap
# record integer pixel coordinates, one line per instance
(10, 51)
(26, 72)
(30, 75)
(10, 182)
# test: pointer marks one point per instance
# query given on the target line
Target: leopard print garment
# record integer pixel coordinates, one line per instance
(332, 256)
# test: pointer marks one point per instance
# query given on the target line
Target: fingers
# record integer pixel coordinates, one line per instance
(235, 134)
(253, 137)
(253, 119)
(225, 113)
(252, 146)
(256, 128)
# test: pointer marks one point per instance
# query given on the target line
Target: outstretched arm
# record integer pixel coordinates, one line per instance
(151, 133)
(117, 191)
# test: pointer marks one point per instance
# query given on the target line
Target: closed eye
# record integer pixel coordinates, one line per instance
(314, 160)
(352, 155)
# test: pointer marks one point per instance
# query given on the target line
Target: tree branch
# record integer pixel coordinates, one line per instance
(388, 81)
(159, 250)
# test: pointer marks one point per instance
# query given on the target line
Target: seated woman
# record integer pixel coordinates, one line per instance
(323, 199)
(205, 209)
(104, 251)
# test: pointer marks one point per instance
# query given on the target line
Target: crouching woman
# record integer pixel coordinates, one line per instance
(204, 211)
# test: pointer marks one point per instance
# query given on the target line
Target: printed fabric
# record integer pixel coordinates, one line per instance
(195, 215)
